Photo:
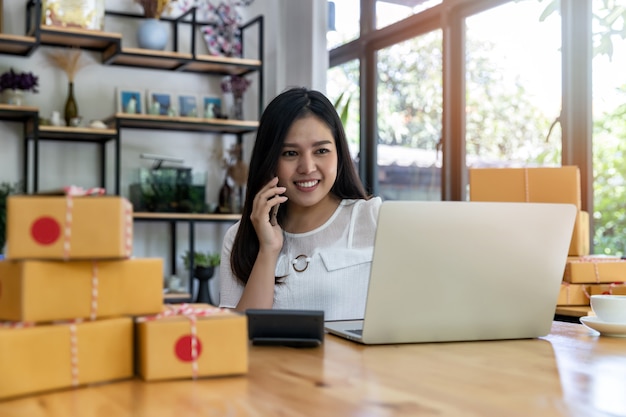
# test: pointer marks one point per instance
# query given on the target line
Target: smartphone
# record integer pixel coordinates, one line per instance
(273, 214)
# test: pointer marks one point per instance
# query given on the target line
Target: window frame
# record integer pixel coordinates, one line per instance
(576, 116)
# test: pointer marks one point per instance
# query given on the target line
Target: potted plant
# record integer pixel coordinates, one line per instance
(13, 85)
(201, 259)
(204, 264)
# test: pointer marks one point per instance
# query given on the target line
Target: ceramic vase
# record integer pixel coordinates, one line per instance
(152, 34)
(13, 97)
(203, 275)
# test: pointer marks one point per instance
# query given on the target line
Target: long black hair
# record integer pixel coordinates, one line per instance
(285, 109)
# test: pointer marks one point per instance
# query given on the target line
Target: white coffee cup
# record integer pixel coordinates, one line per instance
(609, 308)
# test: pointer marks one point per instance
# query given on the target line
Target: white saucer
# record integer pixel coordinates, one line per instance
(605, 329)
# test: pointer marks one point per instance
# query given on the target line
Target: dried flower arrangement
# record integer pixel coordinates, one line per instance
(235, 84)
(25, 81)
(71, 61)
(152, 9)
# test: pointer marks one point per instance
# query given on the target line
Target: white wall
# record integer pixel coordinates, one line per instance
(295, 54)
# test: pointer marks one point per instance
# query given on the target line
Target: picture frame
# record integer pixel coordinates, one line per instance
(160, 103)
(187, 105)
(129, 101)
(211, 107)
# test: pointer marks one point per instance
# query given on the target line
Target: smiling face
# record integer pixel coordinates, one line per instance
(307, 165)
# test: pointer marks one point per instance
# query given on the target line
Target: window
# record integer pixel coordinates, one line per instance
(466, 83)
(609, 129)
(409, 98)
(343, 90)
(343, 22)
(392, 11)
(513, 78)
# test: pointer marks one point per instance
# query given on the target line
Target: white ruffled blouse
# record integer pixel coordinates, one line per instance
(324, 269)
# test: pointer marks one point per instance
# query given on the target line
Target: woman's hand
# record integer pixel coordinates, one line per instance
(259, 290)
(262, 217)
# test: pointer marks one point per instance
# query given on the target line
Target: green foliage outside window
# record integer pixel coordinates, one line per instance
(609, 182)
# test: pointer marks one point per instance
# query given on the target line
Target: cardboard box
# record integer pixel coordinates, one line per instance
(573, 295)
(58, 227)
(84, 14)
(164, 343)
(38, 291)
(47, 357)
(579, 245)
(594, 269)
(617, 288)
(540, 185)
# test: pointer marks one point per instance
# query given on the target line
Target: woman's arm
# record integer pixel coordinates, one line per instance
(259, 290)
(230, 288)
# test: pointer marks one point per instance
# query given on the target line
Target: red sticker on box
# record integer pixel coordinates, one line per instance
(45, 230)
(184, 349)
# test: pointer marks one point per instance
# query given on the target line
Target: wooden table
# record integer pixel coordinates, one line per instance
(571, 372)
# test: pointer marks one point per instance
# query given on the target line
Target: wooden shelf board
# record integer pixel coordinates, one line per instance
(148, 121)
(17, 113)
(76, 133)
(16, 44)
(109, 44)
(228, 60)
(88, 39)
(175, 297)
(171, 60)
(222, 65)
(187, 216)
(149, 58)
(11, 108)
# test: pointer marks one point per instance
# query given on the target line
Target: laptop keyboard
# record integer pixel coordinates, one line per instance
(356, 331)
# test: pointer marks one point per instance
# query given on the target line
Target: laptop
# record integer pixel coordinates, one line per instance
(463, 271)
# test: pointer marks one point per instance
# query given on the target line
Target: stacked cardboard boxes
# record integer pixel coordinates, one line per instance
(535, 185)
(584, 275)
(67, 260)
(593, 274)
(191, 341)
(69, 293)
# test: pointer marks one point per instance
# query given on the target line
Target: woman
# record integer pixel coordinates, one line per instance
(306, 233)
